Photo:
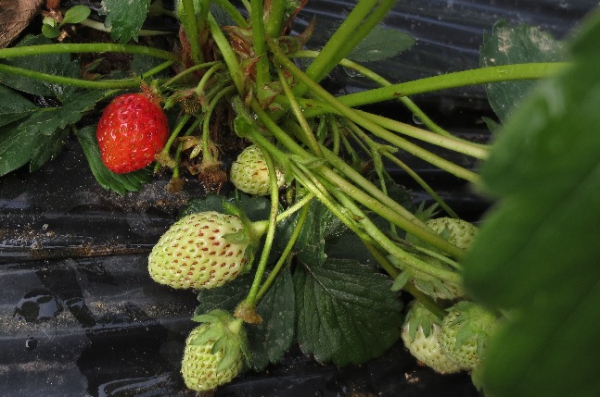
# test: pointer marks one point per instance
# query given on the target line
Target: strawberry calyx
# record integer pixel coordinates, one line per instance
(228, 335)
(250, 234)
(152, 91)
(465, 333)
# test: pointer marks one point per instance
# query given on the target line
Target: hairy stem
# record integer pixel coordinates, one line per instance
(69, 48)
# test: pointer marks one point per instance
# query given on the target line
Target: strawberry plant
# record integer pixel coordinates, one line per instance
(306, 237)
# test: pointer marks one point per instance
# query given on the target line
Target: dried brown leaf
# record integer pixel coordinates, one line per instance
(15, 16)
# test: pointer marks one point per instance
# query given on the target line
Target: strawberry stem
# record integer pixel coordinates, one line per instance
(250, 302)
(285, 255)
(227, 52)
(259, 46)
(190, 26)
(529, 71)
(73, 48)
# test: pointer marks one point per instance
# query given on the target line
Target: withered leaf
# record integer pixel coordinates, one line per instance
(15, 16)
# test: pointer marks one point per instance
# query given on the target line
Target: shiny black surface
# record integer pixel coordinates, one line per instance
(79, 315)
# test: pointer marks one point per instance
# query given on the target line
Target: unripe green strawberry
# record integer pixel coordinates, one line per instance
(201, 250)
(214, 351)
(465, 333)
(456, 231)
(249, 172)
(421, 335)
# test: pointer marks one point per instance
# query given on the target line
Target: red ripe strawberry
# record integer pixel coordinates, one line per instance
(132, 130)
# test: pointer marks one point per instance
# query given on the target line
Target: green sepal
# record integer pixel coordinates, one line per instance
(400, 281)
(419, 316)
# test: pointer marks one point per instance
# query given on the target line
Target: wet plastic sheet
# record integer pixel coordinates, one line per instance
(80, 317)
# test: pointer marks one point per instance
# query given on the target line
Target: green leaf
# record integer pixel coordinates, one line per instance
(19, 146)
(320, 225)
(125, 18)
(226, 297)
(272, 338)
(47, 120)
(55, 64)
(221, 16)
(76, 14)
(346, 312)
(120, 183)
(13, 106)
(381, 43)
(51, 145)
(50, 32)
(38, 137)
(537, 253)
(508, 45)
(140, 64)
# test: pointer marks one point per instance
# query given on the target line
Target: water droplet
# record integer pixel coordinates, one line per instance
(37, 306)
(31, 343)
(416, 119)
(350, 72)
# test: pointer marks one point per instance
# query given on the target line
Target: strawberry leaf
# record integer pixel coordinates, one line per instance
(226, 297)
(120, 183)
(272, 338)
(125, 18)
(346, 312)
(38, 137)
(537, 254)
(13, 106)
(381, 43)
(320, 225)
(55, 64)
(508, 45)
(76, 14)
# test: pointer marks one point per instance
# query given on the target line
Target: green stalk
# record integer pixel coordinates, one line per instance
(452, 143)
(68, 48)
(199, 90)
(202, 15)
(308, 135)
(417, 178)
(364, 122)
(275, 20)
(352, 30)
(369, 74)
(368, 229)
(189, 70)
(165, 151)
(285, 255)
(493, 74)
(190, 26)
(99, 26)
(426, 300)
(335, 129)
(233, 12)
(250, 301)
(291, 210)
(247, 5)
(228, 54)
(380, 203)
(384, 241)
(390, 213)
(260, 48)
(50, 78)
(206, 154)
